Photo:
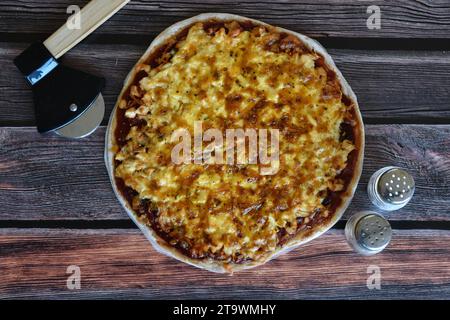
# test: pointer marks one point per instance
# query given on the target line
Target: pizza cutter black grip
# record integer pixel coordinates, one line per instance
(61, 94)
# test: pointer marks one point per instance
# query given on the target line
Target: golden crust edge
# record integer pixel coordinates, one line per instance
(209, 264)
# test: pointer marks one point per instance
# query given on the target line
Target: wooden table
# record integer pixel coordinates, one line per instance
(56, 204)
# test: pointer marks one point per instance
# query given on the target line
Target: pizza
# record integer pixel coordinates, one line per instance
(230, 72)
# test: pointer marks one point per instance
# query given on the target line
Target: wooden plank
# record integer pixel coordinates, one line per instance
(121, 263)
(398, 86)
(51, 178)
(392, 86)
(325, 18)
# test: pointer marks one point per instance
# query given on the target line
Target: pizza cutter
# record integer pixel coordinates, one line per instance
(67, 101)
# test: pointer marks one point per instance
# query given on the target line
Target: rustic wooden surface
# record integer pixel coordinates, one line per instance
(324, 18)
(57, 207)
(365, 70)
(120, 263)
(54, 175)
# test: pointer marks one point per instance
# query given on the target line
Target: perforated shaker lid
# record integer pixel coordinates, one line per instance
(396, 186)
(373, 232)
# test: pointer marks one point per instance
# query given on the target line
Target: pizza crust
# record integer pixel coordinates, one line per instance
(300, 238)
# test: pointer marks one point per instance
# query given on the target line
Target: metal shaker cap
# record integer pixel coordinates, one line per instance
(373, 232)
(368, 233)
(391, 188)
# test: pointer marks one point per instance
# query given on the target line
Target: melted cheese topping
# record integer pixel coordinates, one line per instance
(235, 80)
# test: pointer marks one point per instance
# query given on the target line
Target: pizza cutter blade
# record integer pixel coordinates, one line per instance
(87, 123)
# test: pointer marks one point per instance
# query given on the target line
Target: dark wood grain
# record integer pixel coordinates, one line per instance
(50, 178)
(121, 263)
(392, 86)
(324, 18)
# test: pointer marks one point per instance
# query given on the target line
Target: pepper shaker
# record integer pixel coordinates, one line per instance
(368, 232)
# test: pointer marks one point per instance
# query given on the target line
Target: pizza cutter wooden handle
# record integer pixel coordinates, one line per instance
(94, 14)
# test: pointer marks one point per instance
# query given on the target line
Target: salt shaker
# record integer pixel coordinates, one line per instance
(368, 232)
(390, 188)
